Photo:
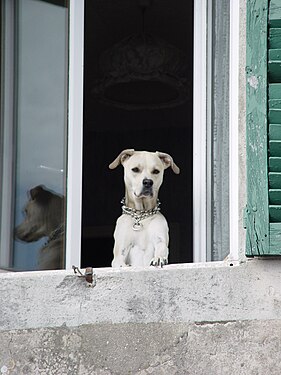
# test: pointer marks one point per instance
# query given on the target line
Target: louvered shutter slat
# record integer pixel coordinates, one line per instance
(274, 133)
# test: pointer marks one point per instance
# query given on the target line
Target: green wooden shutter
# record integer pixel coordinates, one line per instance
(263, 211)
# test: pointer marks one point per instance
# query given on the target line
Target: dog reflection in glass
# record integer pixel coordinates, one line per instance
(44, 217)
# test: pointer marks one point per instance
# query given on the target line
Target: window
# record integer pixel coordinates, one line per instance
(113, 127)
(263, 220)
(34, 132)
(150, 116)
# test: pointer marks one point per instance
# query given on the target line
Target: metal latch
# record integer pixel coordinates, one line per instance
(89, 275)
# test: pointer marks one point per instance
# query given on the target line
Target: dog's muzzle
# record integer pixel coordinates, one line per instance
(147, 187)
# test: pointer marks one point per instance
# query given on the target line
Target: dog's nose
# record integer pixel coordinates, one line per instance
(147, 182)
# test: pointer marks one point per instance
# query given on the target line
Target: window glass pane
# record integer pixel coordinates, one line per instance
(38, 143)
(220, 131)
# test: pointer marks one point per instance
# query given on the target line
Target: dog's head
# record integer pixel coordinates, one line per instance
(143, 171)
(43, 213)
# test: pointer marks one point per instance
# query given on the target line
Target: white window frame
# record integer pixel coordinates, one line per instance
(75, 134)
(201, 129)
(234, 183)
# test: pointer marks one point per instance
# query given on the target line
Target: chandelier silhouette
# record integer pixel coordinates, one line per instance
(142, 71)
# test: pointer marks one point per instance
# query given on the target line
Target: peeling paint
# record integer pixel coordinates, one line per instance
(257, 242)
(253, 82)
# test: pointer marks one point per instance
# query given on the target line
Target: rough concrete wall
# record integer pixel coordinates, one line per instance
(189, 319)
(236, 348)
(174, 294)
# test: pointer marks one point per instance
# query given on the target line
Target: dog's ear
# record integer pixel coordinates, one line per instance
(40, 194)
(168, 161)
(125, 154)
(36, 191)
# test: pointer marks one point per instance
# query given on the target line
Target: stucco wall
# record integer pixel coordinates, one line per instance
(187, 319)
(239, 348)
(176, 294)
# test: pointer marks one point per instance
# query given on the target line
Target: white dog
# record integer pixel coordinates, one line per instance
(141, 233)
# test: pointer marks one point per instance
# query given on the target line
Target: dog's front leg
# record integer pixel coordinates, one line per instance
(160, 254)
(120, 254)
(121, 245)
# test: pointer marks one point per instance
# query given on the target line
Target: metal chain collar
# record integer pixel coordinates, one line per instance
(139, 215)
(56, 232)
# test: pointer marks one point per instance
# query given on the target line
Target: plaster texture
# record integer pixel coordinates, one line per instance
(213, 319)
(236, 348)
(175, 294)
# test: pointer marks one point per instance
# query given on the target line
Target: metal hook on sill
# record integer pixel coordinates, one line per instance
(89, 275)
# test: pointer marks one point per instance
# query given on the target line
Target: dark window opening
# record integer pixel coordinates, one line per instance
(154, 114)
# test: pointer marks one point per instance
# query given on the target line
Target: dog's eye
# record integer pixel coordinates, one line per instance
(155, 171)
(136, 170)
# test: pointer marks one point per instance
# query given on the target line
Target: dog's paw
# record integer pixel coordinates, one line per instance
(159, 262)
(117, 264)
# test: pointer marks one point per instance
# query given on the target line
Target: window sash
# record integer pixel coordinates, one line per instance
(75, 134)
(7, 134)
(75, 129)
(202, 166)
